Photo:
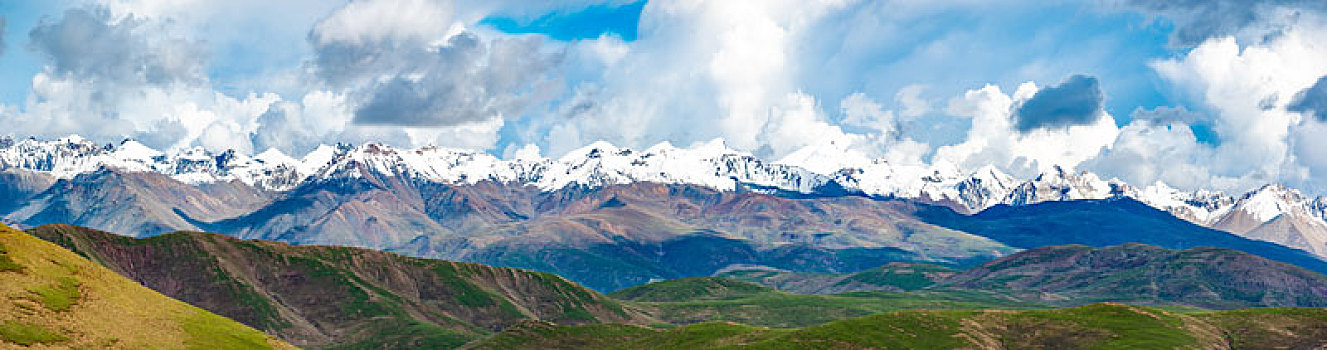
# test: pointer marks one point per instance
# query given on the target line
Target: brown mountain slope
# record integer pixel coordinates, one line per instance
(136, 203)
(1295, 230)
(606, 238)
(341, 297)
(56, 299)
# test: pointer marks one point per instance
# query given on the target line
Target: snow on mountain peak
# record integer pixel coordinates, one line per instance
(595, 149)
(275, 156)
(825, 158)
(1270, 201)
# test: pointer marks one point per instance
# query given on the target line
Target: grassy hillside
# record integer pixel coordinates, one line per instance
(1059, 276)
(779, 309)
(691, 289)
(1097, 326)
(1212, 278)
(341, 297)
(893, 277)
(55, 298)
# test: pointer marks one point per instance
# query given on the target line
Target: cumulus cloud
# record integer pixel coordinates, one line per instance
(699, 70)
(1311, 101)
(1076, 101)
(861, 111)
(89, 44)
(1198, 20)
(466, 81)
(796, 81)
(1147, 151)
(405, 63)
(1237, 82)
(995, 139)
(366, 22)
(110, 77)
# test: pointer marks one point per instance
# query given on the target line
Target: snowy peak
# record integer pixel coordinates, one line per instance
(67, 157)
(825, 158)
(712, 164)
(1270, 201)
(1059, 184)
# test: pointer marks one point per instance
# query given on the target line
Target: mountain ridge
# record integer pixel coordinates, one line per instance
(272, 175)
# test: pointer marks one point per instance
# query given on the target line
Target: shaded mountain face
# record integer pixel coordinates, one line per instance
(139, 203)
(57, 299)
(334, 296)
(17, 186)
(1205, 277)
(1103, 223)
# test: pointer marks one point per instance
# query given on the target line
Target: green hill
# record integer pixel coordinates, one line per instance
(55, 298)
(1213, 278)
(339, 297)
(892, 277)
(692, 289)
(1097, 326)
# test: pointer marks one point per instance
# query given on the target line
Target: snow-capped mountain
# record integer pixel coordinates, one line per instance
(1275, 213)
(67, 157)
(711, 164)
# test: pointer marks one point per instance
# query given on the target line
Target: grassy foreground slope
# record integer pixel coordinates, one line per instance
(1097, 326)
(54, 298)
(339, 297)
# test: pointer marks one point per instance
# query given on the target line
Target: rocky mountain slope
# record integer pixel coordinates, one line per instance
(57, 299)
(341, 297)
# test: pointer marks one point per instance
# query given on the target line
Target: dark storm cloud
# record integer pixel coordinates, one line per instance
(1076, 101)
(1198, 20)
(1312, 100)
(89, 45)
(466, 80)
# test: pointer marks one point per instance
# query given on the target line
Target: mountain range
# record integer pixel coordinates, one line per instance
(644, 215)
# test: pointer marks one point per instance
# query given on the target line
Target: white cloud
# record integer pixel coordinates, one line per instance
(1247, 88)
(364, 22)
(993, 140)
(861, 111)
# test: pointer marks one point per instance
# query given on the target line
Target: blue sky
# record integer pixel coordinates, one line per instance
(901, 80)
